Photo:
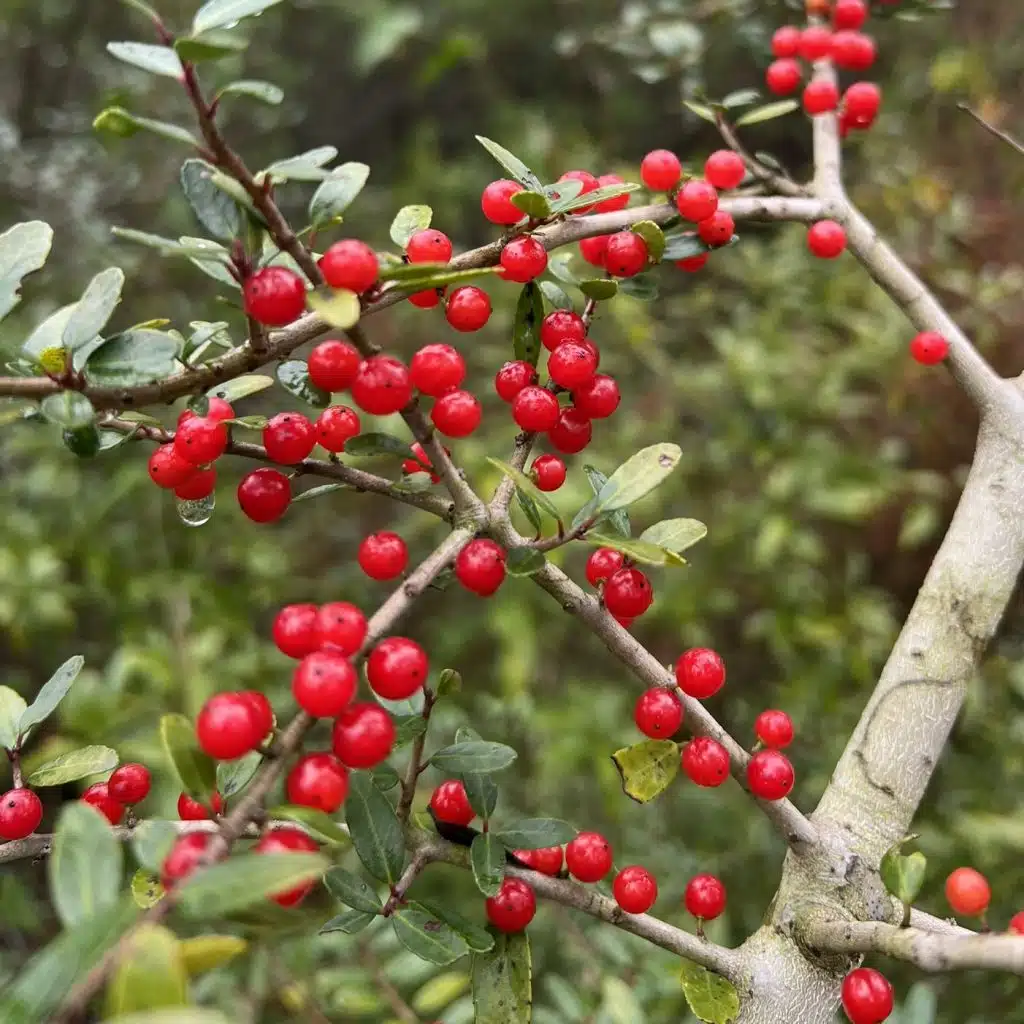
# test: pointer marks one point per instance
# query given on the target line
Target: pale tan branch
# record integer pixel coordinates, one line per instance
(997, 132)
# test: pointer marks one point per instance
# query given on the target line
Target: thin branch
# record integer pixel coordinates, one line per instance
(828, 153)
(412, 773)
(989, 127)
(782, 184)
(927, 923)
(420, 859)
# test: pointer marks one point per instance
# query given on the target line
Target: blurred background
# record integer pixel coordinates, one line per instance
(824, 461)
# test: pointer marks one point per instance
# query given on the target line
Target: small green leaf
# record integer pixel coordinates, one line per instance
(93, 309)
(70, 410)
(339, 308)
(237, 192)
(487, 856)
(420, 277)
(526, 327)
(195, 769)
(767, 112)
(653, 237)
(430, 939)
(350, 922)
(482, 793)
(557, 297)
(449, 681)
(675, 534)
(741, 98)
(683, 246)
(265, 92)
(12, 707)
(146, 888)
(23, 250)
(318, 823)
(617, 520)
(384, 777)
(352, 891)
(528, 487)
(85, 864)
(408, 221)
(374, 443)
(476, 757)
(308, 166)
(53, 691)
(158, 60)
(210, 46)
(558, 266)
(375, 829)
(903, 874)
(638, 476)
(647, 768)
(700, 110)
(214, 209)
(76, 764)
(133, 357)
(524, 562)
(85, 441)
(219, 13)
(234, 776)
(711, 998)
(562, 191)
(408, 727)
(503, 982)
(149, 974)
(515, 167)
(316, 492)
(337, 192)
(207, 952)
(241, 387)
(599, 288)
(638, 550)
(247, 422)
(534, 204)
(294, 378)
(477, 938)
(536, 833)
(530, 510)
(151, 841)
(593, 197)
(642, 287)
(121, 123)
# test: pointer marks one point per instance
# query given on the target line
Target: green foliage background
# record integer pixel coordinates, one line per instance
(825, 464)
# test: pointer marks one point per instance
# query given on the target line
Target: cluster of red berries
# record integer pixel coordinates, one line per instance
(625, 591)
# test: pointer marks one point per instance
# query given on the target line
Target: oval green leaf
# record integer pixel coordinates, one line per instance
(638, 550)
(76, 764)
(23, 250)
(158, 60)
(206, 952)
(53, 691)
(524, 562)
(351, 890)
(526, 326)
(503, 981)
(599, 288)
(338, 308)
(534, 204)
(234, 776)
(132, 358)
(85, 864)
(316, 822)
(487, 856)
(241, 387)
(70, 410)
(195, 769)
(408, 221)
(768, 112)
(374, 443)
(430, 939)
(220, 13)
(214, 209)
(675, 534)
(294, 378)
(334, 196)
(711, 998)
(265, 92)
(478, 939)
(146, 889)
(473, 757)
(638, 476)
(515, 167)
(12, 707)
(350, 922)
(149, 973)
(647, 768)
(375, 829)
(536, 833)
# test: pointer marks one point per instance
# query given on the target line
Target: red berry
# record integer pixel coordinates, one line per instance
(770, 775)
(216, 409)
(275, 296)
(456, 414)
(774, 729)
(853, 51)
(335, 426)
(264, 495)
(628, 593)
(658, 713)
(615, 204)
(227, 727)
(705, 761)
(421, 464)
(725, 169)
(289, 438)
(168, 469)
(929, 348)
(635, 890)
(288, 840)
(193, 810)
(967, 892)
(692, 263)
(786, 41)
(598, 397)
(21, 811)
(468, 308)
(1017, 923)
(626, 254)
(561, 325)
(98, 796)
(512, 909)
(593, 249)
(450, 803)
(363, 735)
(700, 672)
(396, 668)
(294, 630)
(201, 439)
(588, 857)
(383, 556)
(547, 860)
(512, 378)
(815, 42)
(480, 566)
(350, 264)
(697, 200)
(589, 184)
(318, 780)
(382, 385)
(323, 684)
(429, 246)
(572, 364)
(867, 996)
(496, 202)
(849, 14)
(184, 857)
(704, 897)
(535, 409)
(199, 485)
(572, 432)
(548, 472)
(339, 627)
(717, 229)
(826, 239)
(263, 713)
(129, 784)
(333, 365)
(784, 76)
(602, 564)
(820, 97)
(428, 299)
(523, 259)
(436, 369)
(660, 170)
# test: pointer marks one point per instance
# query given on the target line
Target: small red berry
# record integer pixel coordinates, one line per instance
(382, 385)
(598, 397)
(21, 811)
(815, 42)
(333, 365)
(523, 259)
(323, 684)
(335, 426)
(428, 299)
(867, 996)
(289, 438)
(705, 761)
(602, 564)
(468, 308)
(339, 627)
(184, 857)
(535, 409)
(861, 103)
(512, 909)
(450, 803)
(589, 185)
(626, 254)
(480, 566)
(547, 860)
(774, 729)
(658, 713)
(826, 239)
(288, 840)
(129, 784)
(849, 14)
(660, 170)
(294, 630)
(784, 76)
(201, 439)
(350, 264)
(435, 369)
(193, 810)
(363, 735)
(548, 472)
(635, 890)
(227, 728)
(704, 897)
(615, 204)
(199, 485)
(697, 200)
(318, 780)
(429, 246)
(770, 775)
(967, 892)
(572, 431)
(396, 668)
(98, 796)
(264, 495)
(853, 51)
(628, 593)
(929, 348)
(512, 378)
(422, 463)
(167, 468)
(216, 409)
(725, 169)
(383, 556)
(275, 296)
(700, 672)
(456, 414)
(717, 229)
(561, 325)
(263, 713)
(820, 97)
(572, 364)
(786, 41)
(693, 263)
(496, 202)
(588, 857)
(1017, 923)
(593, 249)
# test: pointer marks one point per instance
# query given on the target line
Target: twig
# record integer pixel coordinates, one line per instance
(412, 773)
(782, 184)
(989, 127)
(420, 859)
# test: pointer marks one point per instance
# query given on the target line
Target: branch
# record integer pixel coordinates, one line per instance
(412, 773)
(782, 184)
(828, 155)
(989, 127)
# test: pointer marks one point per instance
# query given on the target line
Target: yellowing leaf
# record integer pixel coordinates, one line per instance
(647, 768)
(205, 952)
(711, 997)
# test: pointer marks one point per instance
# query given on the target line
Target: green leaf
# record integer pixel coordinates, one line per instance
(617, 520)
(167, 246)
(76, 764)
(244, 880)
(207, 952)
(265, 92)
(146, 889)
(210, 46)
(374, 443)
(683, 246)
(711, 998)
(558, 266)
(85, 864)
(528, 487)
(534, 204)
(638, 476)
(94, 308)
(237, 192)
(54, 690)
(476, 757)
(557, 297)
(530, 510)
(350, 922)
(337, 192)
(308, 166)
(23, 250)
(524, 562)
(195, 769)
(316, 492)
(449, 681)
(408, 221)
(482, 793)
(12, 707)
(526, 327)
(768, 112)
(375, 829)
(503, 982)
(562, 191)
(149, 973)
(536, 833)
(903, 874)
(487, 856)
(151, 841)
(477, 938)
(352, 891)
(515, 167)
(339, 308)
(158, 60)
(294, 378)
(408, 728)
(599, 288)
(121, 123)
(241, 387)
(741, 98)
(234, 776)
(653, 237)
(219, 13)
(701, 110)
(318, 823)
(215, 210)
(133, 357)
(420, 277)
(593, 197)
(430, 939)
(642, 287)
(638, 550)
(68, 409)
(85, 441)
(647, 768)
(675, 534)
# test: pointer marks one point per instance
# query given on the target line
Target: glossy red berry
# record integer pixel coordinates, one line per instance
(98, 795)
(333, 365)
(456, 414)
(1016, 924)
(588, 857)
(602, 564)
(548, 472)
(450, 803)
(967, 892)
(264, 495)
(427, 299)
(861, 102)
(339, 627)
(770, 775)
(853, 51)
(692, 263)
(572, 364)
(628, 593)
(318, 780)
(184, 857)
(429, 246)
(350, 264)
(437, 368)
(589, 183)
(705, 761)
(199, 485)
(275, 296)
(572, 431)
(598, 397)
(697, 200)
(216, 409)
(288, 840)
(820, 97)
(129, 784)
(535, 409)
(468, 308)
(263, 713)
(626, 254)
(547, 860)
(867, 996)
(700, 672)
(363, 735)
(593, 249)
(294, 630)
(167, 468)
(929, 348)
(635, 889)
(826, 239)
(422, 463)
(849, 14)
(512, 378)
(774, 729)
(383, 556)
(323, 684)
(523, 259)
(660, 170)
(725, 169)
(815, 42)
(717, 229)
(512, 909)
(335, 426)
(704, 897)
(616, 203)
(480, 566)
(226, 727)
(496, 202)
(382, 385)
(658, 713)
(289, 438)
(193, 810)
(21, 811)
(562, 325)
(201, 439)
(786, 41)
(783, 77)
(396, 668)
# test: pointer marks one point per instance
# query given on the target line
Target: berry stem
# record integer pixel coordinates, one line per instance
(412, 773)
(421, 858)
(781, 183)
